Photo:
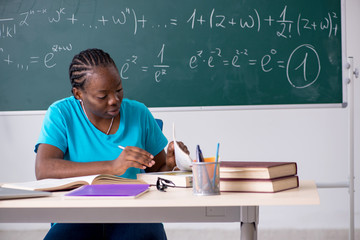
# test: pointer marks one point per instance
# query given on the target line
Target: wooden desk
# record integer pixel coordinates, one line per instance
(175, 205)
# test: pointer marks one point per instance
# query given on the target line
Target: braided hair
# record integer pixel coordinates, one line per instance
(83, 63)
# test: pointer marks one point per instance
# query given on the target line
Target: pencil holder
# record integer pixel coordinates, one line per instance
(206, 180)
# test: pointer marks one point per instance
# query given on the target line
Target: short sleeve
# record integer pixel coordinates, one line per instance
(53, 130)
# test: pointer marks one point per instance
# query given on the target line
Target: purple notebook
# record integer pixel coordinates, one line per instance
(109, 190)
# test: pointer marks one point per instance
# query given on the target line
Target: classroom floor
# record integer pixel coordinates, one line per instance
(190, 234)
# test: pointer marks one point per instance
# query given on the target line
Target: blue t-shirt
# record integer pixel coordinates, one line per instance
(66, 127)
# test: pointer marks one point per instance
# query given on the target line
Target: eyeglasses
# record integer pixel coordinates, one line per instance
(162, 184)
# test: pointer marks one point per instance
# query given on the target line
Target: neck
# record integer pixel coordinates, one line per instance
(107, 132)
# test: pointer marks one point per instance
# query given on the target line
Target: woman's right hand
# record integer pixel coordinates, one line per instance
(132, 157)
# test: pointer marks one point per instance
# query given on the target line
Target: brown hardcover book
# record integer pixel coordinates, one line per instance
(257, 170)
(51, 184)
(259, 185)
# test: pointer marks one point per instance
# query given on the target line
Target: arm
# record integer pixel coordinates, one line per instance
(50, 163)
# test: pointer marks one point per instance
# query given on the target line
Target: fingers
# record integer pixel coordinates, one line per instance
(137, 157)
(170, 148)
(181, 145)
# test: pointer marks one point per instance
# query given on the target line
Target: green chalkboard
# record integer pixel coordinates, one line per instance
(187, 53)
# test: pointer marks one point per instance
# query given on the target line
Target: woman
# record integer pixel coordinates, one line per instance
(81, 134)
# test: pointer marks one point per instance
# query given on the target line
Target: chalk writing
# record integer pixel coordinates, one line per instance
(267, 63)
(160, 69)
(280, 24)
(7, 30)
(253, 20)
(307, 54)
(46, 60)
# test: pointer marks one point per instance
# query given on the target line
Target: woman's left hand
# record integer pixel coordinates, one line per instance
(166, 161)
(170, 156)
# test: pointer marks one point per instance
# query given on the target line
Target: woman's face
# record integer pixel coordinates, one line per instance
(103, 92)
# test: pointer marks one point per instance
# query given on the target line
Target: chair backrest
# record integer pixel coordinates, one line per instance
(160, 123)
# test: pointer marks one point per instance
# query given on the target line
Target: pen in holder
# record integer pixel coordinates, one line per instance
(206, 179)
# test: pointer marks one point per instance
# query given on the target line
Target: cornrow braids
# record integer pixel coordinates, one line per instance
(83, 63)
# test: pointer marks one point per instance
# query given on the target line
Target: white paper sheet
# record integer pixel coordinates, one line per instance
(183, 160)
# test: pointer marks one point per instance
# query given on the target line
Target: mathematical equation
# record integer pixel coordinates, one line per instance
(299, 60)
(284, 27)
(284, 24)
(48, 60)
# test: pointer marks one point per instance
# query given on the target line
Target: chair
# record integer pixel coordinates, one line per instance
(160, 123)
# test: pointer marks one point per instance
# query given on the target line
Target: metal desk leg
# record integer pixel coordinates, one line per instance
(249, 219)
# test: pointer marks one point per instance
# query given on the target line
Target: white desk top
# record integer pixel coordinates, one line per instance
(306, 194)
(175, 205)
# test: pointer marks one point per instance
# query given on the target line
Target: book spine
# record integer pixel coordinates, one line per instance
(256, 179)
(262, 191)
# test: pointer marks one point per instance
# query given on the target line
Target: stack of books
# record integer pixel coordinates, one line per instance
(267, 177)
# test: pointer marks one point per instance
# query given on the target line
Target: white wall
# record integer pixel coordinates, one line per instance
(317, 139)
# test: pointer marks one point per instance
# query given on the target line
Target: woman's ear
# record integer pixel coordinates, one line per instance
(77, 93)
